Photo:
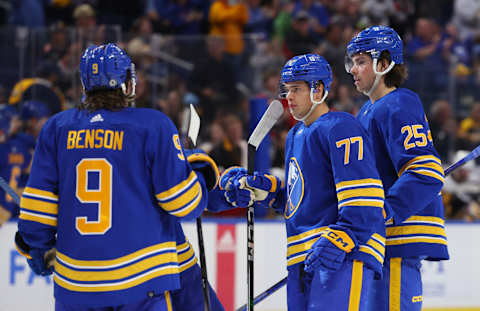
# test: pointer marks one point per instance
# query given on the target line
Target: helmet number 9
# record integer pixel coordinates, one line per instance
(95, 68)
(102, 196)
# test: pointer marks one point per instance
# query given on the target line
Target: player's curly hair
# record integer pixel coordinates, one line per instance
(106, 99)
(397, 75)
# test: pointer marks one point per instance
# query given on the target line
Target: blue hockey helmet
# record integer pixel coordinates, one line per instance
(374, 40)
(105, 67)
(310, 68)
(34, 109)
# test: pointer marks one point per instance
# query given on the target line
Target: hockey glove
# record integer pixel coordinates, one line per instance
(41, 261)
(235, 193)
(329, 251)
(204, 164)
(265, 187)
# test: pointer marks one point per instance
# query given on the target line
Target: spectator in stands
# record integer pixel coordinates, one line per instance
(462, 190)
(260, 17)
(57, 43)
(318, 13)
(172, 106)
(299, 39)
(466, 17)
(378, 11)
(443, 127)
(233, 149)
(227, 19)
(213, 80)
(469, 131)
(30, 13)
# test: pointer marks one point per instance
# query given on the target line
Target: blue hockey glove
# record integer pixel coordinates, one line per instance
(329, 251)
(235, 192)
(204, 164)
(41, 261)
(265, 187)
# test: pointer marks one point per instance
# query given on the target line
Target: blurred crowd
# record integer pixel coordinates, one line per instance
(225, 57)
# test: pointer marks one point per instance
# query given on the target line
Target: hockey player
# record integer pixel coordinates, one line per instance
(333, 200)
(16, 152)
(108, 184)
(408, 165)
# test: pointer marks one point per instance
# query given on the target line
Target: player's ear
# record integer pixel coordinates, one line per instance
(320, 89)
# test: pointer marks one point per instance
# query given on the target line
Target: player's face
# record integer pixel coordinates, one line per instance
(362, 72)
(298, 96)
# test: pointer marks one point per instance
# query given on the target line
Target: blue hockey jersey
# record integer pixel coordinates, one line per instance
(108, 184)
(411, 172)
(15, 156)
(332, 182)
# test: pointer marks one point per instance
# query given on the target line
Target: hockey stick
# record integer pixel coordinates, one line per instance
(471, 156)
(270, 117)
(272, 289)
(193, 129)
(6, 187)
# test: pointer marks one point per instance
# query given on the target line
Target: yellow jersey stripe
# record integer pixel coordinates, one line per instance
(112, 263)
(185, 256)
(425, 219)
(380, 239)
(39, 206)
(415, 229)
(356, 286)
(297, 248)
(295, 260)
(182, 247)
(420, 239)
(42, 194)
(395, 283)
(366, 249)
(182, 199)
(180, 187)
(168, 300)
(429, 173)
(43, 219)
(379, 247)
(358, 182)
(304, 235)
(26, 255)
(362, 202)
(188, 264)
(419, 159)
(430, 165)
(190, 207)
(121, 273)
(106, 287)
(362, 192)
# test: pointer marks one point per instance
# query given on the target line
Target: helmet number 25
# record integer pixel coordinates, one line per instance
(415, 131)
(100, 169)
(350, 141)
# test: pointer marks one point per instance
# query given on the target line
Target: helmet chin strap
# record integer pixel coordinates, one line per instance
(314, 104)
(378, 75)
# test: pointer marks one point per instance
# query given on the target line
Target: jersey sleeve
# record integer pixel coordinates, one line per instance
(358, 186)
(420, 173)
(39, 202)
(178, 189)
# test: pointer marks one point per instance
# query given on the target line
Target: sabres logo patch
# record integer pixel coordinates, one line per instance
(295, 188)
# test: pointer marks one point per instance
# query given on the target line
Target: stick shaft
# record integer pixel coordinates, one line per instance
(6, 187)
(272, 289)
(250, 231)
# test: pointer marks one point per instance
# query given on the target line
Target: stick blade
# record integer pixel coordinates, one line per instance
(194, 127)
(270, 117)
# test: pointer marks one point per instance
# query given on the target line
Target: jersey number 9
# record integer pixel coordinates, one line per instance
(102, 196)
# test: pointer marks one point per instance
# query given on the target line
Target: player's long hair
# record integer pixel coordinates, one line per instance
(106, 99)
(397, 75)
